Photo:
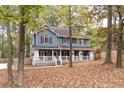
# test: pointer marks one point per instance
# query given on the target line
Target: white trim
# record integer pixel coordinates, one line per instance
(63, 59)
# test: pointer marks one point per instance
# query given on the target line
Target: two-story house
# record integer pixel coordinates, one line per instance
(50, 46)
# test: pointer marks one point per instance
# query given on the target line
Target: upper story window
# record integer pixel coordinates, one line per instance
(46, 39)
(64, 40)
(80, 41)
(42, 39)
(67, 40)
(74, 40)
(50, 40)
(86, 41)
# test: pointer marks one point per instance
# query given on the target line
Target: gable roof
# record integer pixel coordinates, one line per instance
(62, 32)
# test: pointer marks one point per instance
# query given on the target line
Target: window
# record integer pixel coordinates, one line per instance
(67, 40)
(86, 41)
(74, 40)
(50, 40)
(80, 41)
(64, 40)
(46, 39)
(42, 39)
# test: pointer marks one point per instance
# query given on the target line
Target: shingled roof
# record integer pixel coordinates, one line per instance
(63, 32)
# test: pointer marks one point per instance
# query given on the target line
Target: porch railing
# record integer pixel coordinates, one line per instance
(62, 59)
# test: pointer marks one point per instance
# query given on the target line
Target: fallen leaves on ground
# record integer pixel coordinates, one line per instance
(81, 75)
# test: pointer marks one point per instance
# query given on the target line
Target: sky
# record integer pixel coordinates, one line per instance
(104, 23)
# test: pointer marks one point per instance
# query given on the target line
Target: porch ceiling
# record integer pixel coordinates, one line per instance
(63, 48)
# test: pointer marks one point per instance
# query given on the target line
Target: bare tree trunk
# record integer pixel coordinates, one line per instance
(109, 37)
(21, 48)
(70, 37)
(115, 31)
(119, 47)
(122, 49)
(10, 54)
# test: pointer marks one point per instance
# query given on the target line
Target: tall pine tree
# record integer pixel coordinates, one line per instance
(109, 36)
(21, 50)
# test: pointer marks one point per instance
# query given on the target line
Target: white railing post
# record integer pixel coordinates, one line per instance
(76, 58)
(43, 58)
(80, 59)
(52, 58)
(73, 57)
(33, 61)
(80, 55)
(60, 59)
(55, 59)
(87, 57)
(84, 58)
(91, 57)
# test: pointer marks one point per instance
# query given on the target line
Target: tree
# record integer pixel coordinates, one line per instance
(10, 53)
(10, 49)
(51, 15)
(21, 50)
(30, 17)
(6, 20)
(109, 36)
(115, 28)
(70, 35)
(119, 39)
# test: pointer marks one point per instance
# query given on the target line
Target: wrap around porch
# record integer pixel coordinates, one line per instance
(60, 57)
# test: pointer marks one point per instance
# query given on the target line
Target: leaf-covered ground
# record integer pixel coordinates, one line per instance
(88, 74)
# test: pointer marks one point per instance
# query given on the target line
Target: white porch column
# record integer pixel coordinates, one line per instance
(80, 56)
(35, 57)
(52, 53)
(73, 58)
(36, 53)
(54, 59)
(60, 53)
(60, 57)
(91, 55)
